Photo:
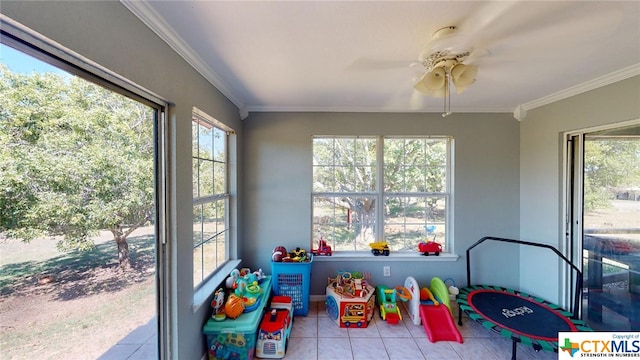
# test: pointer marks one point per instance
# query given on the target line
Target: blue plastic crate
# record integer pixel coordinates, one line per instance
(293, 279)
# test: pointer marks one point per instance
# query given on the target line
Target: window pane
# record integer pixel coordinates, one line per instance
(220, 215)
(364, 152)
(323, 152)
(347, 223)
(415, 165)
(394, 169)
(195, 168)
(194, 138)
(209, 223)
(213, 253)
(436, 179)
(344, 165)
(436, 152)
(219, 145)
(410, 220)
(205, 141)
(323, 179)
(197, 225)
(205, 181)
(365, 179)
(219, 178)
(198, 273)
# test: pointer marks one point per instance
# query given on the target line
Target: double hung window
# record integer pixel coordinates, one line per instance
(381, 188)
(211, 196)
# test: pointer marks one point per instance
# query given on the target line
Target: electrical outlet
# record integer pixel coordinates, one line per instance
(387, 270)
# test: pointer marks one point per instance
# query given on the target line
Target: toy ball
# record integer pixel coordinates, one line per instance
(234, 306)
(279, 253)
(454, 290)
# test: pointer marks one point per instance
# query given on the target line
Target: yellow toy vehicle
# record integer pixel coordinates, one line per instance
(379, 248)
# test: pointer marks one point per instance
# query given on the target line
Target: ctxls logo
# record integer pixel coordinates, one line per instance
(607, 345)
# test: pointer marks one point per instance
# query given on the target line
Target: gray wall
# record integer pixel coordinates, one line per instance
(541, 169)
(277, 178)
(110, 35)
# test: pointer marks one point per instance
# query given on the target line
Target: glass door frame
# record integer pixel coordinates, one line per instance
(573, 194)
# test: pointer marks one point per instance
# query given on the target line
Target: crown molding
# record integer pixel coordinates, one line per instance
(521, 110)
(348, 109)
(156, 23)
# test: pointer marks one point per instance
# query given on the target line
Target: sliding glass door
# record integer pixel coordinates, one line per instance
(603, 223)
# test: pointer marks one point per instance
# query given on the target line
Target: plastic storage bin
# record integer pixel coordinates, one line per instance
(236, 338)
(293, 279)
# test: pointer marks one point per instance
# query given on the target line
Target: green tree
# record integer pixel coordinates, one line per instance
(75, 158)
(610, 163)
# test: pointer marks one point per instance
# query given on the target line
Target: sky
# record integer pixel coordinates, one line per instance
(19, 62)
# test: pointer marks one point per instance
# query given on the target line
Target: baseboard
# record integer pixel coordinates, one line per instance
(317, 297)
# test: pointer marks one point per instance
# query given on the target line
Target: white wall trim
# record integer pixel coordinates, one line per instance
(619, 75)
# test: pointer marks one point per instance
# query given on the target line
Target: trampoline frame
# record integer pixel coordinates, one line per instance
(573, 316)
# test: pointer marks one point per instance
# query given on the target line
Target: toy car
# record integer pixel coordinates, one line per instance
(386, 299)
(275, 330)
(323, 248)
(430, 247)
(379, 248)
(297, 255)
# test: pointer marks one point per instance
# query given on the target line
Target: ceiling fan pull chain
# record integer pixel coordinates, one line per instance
(447, 95)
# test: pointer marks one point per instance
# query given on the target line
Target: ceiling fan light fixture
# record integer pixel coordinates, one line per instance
(435, 79)
(443, 65)
(463, 76)
(433, 82)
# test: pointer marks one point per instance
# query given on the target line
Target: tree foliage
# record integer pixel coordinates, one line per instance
(75, 158)
(346, 182)
(610, 164)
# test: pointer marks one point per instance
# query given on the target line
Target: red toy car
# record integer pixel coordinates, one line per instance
(323, 248)
(429, 247)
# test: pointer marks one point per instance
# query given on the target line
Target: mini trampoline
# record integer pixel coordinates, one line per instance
(516, 315)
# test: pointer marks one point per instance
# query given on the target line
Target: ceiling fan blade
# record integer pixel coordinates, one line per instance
(416, 101)
(531, 42)
(486, 17)
(532, 24)
(465, 35)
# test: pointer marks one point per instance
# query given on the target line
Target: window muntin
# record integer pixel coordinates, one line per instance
(414, 191)
(210, 196)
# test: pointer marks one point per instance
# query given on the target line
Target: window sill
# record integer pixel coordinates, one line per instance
(202, 294)
(394, 256)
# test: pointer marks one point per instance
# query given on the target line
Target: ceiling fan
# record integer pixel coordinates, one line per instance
(512, 32)
(444, 64)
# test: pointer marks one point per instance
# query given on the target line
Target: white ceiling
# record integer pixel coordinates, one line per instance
(357, 55)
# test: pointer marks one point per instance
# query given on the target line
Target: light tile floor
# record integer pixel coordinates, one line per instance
(317, 337)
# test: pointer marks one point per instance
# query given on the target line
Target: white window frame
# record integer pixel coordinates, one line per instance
(380, 195)
(224, 196)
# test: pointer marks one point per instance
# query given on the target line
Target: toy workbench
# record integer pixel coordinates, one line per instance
(348, 309)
